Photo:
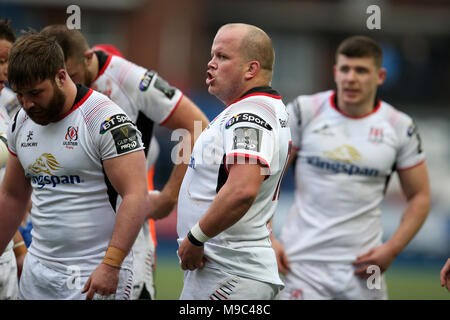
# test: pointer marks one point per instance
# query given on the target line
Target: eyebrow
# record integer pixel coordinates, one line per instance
(34, 90)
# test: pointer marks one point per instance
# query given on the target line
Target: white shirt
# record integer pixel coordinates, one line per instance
(73, 212)
(341, 173)
(143, 95)
(8, 102)
(254, 127)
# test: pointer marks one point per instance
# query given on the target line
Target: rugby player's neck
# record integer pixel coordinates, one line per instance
(93, 67)
(356, 109)
(70, 90)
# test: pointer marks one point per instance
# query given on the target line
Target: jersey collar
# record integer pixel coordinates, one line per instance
(333, 102)
(259, 91)
(82, 94)
(103, 61)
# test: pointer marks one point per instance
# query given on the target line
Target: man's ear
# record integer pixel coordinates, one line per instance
(253, 68)
(381, 76)
(60, 78)
(88, 55)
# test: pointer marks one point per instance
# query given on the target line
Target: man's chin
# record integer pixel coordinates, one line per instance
(352, 100)
(42, 122)
(211, 90)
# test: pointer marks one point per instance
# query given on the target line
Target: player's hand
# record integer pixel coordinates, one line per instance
(445, 275)
(161, 205)
(381, 256)
(102, 281)
(282, 260)
(191, 256)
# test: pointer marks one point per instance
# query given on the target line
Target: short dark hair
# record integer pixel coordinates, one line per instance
(361, 47)
(6, 32)
(34, 58)
(72, 41)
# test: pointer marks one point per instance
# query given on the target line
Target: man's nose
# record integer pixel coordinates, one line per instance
(212, 63)
(26, 103)
(351, 75)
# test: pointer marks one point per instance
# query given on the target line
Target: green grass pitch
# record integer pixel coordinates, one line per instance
(404, 283)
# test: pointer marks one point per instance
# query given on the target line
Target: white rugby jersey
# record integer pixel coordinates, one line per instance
(9, 102)
(254, 127)
(341, 174)
(143, 95)
(5, 98)
(4, 123)
(73, 212)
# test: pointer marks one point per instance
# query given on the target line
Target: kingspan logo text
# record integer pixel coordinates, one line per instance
(42, 180)
(43, 172)
(341, 167)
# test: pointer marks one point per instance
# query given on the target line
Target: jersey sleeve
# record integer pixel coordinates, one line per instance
(4, 121)
(410, 151)
(112, 131)
(249, 137)
(295, 121)
(301, 111)
(153, 96)
(13, 128)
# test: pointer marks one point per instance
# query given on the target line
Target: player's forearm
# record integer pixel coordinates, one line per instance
(12, 212)
(172, 187)
(130, 218)
(412, 220)
(229, 206)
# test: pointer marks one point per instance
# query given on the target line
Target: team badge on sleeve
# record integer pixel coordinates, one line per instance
(114, 121)
(412, 130)
(146, 80)
(248, 117)
(247, 138)
(165, 88)
(125, 139)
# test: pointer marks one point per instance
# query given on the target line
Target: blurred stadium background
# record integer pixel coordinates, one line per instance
(174, 38)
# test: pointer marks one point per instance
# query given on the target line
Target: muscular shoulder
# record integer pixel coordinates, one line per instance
(402, 123)
(260, 110)
(99, 112)
(18, 121)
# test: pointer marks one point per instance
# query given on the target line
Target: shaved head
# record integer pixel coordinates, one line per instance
(255, 45)
(242, 58)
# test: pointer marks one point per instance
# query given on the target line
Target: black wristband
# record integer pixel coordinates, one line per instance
(193, 240)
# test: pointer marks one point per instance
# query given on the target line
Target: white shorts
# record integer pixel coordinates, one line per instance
(41, 282)
(9, 288)
(214, 284)
(327, 281)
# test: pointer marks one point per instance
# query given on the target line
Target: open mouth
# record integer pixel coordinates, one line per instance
(209, 78)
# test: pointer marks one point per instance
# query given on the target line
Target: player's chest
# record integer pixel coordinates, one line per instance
(369, 143)
(52, 149)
